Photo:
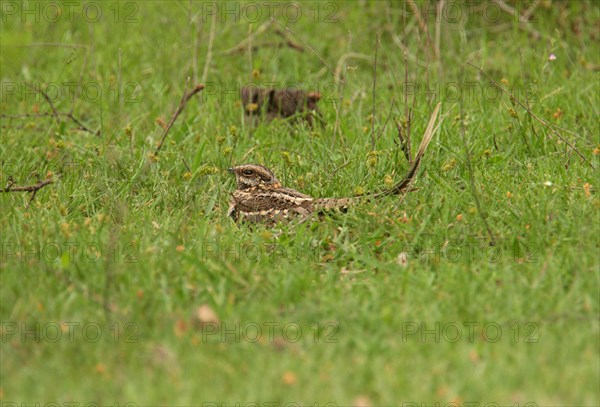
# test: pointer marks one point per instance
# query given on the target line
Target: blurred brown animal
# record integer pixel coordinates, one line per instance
(282, 103)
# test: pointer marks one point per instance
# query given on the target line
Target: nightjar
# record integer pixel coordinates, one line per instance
(260, 197)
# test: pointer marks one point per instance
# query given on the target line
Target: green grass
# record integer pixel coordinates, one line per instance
(133, 247)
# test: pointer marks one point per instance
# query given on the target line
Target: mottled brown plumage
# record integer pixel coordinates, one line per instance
(260, 197)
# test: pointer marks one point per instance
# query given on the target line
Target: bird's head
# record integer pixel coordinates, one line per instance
(253, 175)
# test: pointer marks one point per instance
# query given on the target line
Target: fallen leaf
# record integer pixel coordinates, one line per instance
(558, 113)
(206, 315)
(161, 123)
(362, 401)
(289, 378)
(586, 188)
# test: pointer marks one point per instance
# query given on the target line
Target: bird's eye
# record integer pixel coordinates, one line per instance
(248, 172)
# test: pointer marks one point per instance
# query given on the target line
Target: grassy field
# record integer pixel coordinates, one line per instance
(124, 283)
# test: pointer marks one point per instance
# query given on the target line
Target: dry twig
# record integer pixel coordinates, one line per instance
(307, 45)
(438, 27)
(374, 92)
(422, 25)
(211, 38)
(242, 45)
(47, 98)
(543, 122)
(289, 42)
(55, 113)
(31, 188)
(404, 138)
(184, 100)
(337, 74)
(523, 20)
(387, 119)
(408, 178)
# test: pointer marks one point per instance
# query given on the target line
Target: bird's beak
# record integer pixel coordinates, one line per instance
(230, 170)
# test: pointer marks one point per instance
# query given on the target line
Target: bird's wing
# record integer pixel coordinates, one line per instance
(272, 205)
(293, 192)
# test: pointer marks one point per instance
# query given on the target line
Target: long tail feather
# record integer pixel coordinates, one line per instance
(408, 178)
(326, 204)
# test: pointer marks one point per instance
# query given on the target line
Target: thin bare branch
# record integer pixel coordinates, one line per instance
(47, 98)
(55, 113)
(543, 122)
(438, 27)
(184, 99)
(374, 92)
(339, 82)
(386, 121)
(340, 64)
(472, 185)
(523, 21)
(405, 138)
(210, 45)
(242, 45)
(531, 9)
(526, 96)
(186, 166)
(196, 33)
(307, 45)
(82, 127)
(289, 42)
(422, 24)
(28, 115)
(47, 44)
(10, 187)
(257, 47)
